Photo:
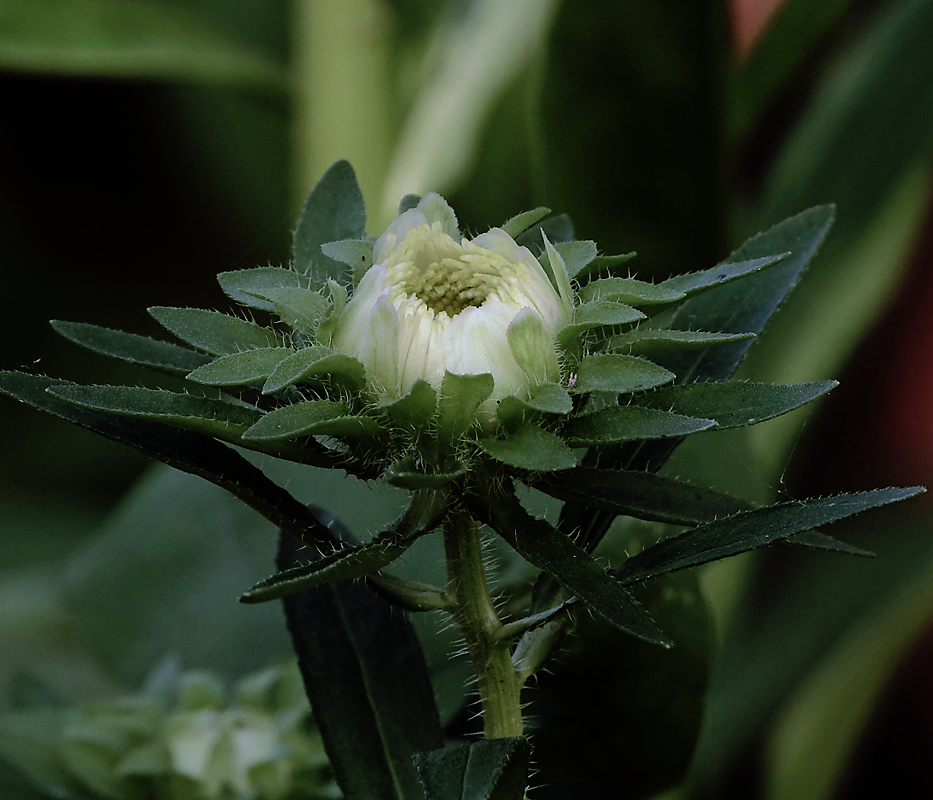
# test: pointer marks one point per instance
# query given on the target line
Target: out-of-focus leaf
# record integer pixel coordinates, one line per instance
(131, 347)
(334, 210)
(365, 675)
(216, 333)
(490, 769)
(127, 39)
(518, 224)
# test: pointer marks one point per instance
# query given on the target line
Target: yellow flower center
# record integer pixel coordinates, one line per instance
(446, 275)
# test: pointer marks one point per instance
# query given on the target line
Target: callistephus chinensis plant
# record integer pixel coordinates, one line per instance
(464, 371)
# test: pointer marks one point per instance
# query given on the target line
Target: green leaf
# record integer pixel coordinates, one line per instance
(410, 474)
(366, 677)
(558, 229)
(312, 361)
(408, 202)
(531, 448)
(557, 270)
(726, 272)
(630, 423)
(521, 222)
(533, 348)
(248, 286)
(300, 309)
(576, 255)
(631, 291)
(744, 306)
(131, 347)
(456, 409)
(200, 414)
(548, 398)
(606, 266)
(595, 315)
(749, 530)
(489, 769)
(297, 419)
(415, 409)
(645, 495)
(239, 368)
(216, 333)
(649, 341)
(608, 372)
(355, 253)
(181, 449)
(333, 211)
(347, 563)
(734, 404)
(565, 561)
(118, 39)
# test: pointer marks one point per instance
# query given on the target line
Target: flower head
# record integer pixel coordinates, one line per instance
(434, 302)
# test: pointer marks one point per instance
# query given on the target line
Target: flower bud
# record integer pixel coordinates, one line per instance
(434, 302)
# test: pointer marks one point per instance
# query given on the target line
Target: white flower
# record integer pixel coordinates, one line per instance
(433, 302)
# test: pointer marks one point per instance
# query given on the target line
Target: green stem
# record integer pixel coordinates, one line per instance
(476, 616)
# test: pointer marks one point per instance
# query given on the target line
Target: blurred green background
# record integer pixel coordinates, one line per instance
(146, 145)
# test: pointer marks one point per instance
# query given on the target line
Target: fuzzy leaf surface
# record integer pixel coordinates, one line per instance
(490, 769)
(249, 286)
(531, 448)
(366, 676)
(749, 530)
(567, 563)
(239, 368)
(215, 333)
(611, 372)
(131, 347)
(734, 404)
(200, 414)
(312, 361)
(333, 211)
(298, 419)
(596, 314)
(630, 423)
(357, 254)
(651, 341)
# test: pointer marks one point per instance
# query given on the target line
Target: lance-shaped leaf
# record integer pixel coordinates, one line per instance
(746, 531)
(216, 333)
(131, 347)
(531, 448)
(490, 769)
(415, 409)
(310, 362)
(351, 562)
(239, 368)
(200, 414)
(301, 309)
(734, 404)
(726, 272)
(631, 291)
(547, 398)
(334, 210)
(650, 341)
(533, 348)
(249, 286)
(630, 423)
(410, 473)
(645, 495)
(181, 449)
(746, 305)
(355, 253)
(597, 314)
(566, 562)
(311, 417)
(518, 224)
(366, 677)
(612, 372)
(558, 229)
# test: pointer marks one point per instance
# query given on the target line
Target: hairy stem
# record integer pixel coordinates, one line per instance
(476, 616)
